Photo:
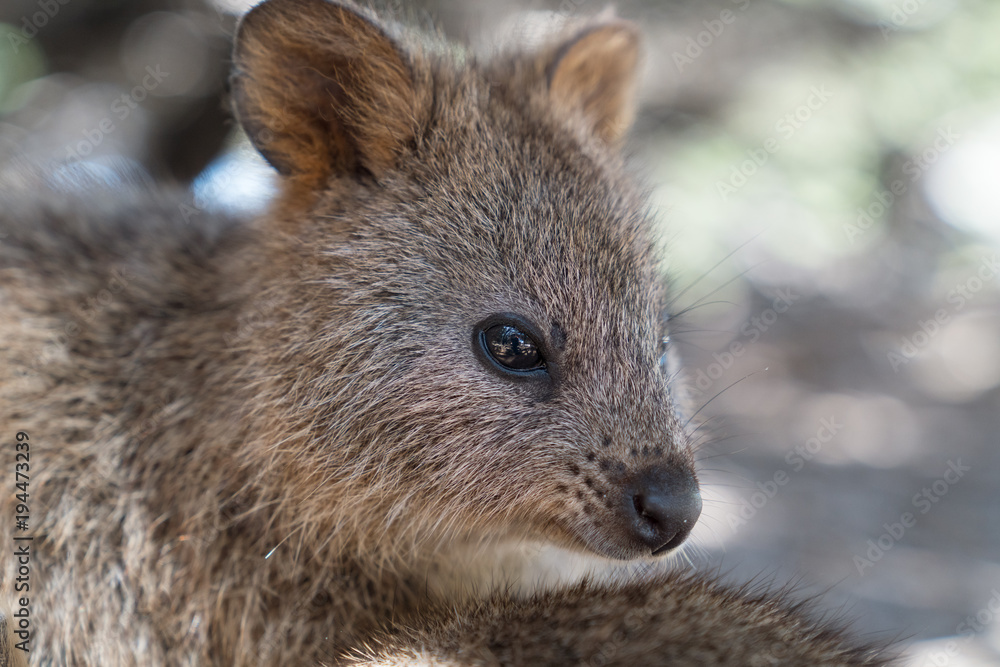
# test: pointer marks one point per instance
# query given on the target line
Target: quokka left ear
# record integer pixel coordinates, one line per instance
(322, 90)
(594, 72)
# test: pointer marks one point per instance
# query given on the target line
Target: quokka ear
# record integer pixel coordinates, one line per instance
(321, 90)
(595, 72)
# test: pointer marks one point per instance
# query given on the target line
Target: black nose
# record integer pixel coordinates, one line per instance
(665, 506)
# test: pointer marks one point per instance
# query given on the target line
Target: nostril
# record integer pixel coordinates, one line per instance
(637, 504)
(647, 509)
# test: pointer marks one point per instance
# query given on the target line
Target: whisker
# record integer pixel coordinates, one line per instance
(717, 395)
(724, 285)
(688, 309)
(717, 265)
(715, 442)
(675, 332)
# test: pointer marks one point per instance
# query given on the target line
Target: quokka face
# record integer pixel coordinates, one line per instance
(479, 281)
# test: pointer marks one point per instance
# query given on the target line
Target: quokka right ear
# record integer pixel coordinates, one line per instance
(594, 72)
(322, 90)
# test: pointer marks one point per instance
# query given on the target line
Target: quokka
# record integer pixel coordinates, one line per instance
(459, 342)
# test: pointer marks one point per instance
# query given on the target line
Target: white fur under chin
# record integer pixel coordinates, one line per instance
(525, 568)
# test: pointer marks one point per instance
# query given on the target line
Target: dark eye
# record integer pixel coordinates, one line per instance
(512, 348)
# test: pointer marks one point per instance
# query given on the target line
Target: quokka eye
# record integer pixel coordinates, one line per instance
(512, 348)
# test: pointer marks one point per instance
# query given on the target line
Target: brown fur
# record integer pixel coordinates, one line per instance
(270, 442)
(679, 620)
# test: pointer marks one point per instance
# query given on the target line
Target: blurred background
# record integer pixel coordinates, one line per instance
(828, 174)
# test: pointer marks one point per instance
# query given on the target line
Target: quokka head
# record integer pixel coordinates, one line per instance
(474, 331)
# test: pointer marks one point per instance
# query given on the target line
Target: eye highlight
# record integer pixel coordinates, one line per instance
(669, 360)
(512, 348)
(664, 351)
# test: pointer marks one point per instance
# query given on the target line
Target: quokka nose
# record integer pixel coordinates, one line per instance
(665, 507)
